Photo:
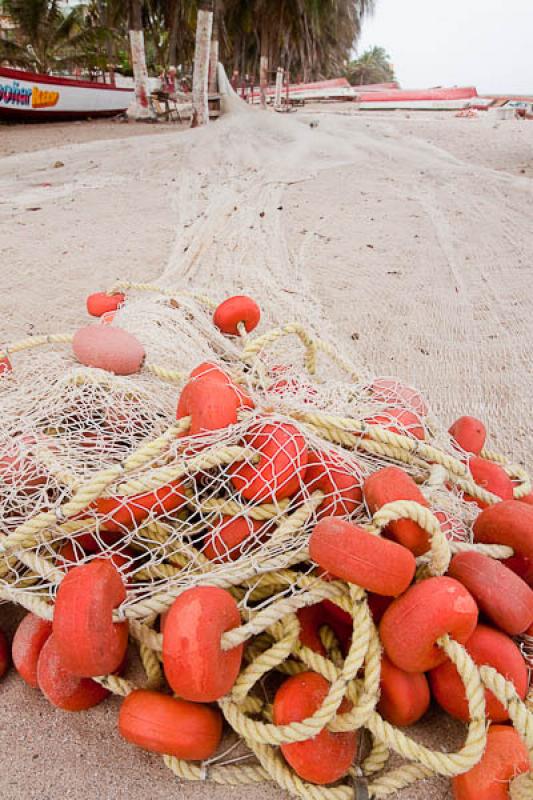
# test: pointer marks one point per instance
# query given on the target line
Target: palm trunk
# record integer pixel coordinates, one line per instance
(140, 108)
(214, 54)
(263, 67)
(204, 27)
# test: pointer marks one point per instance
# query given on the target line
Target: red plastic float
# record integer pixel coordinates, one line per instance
(404, 697)
(528, 499)
(223, 543)
(341, 484)
(4, 654)
(109, 348)
(101, 303)
(390, 484)
(127, 512)
(89, 642)
(357, 556)
(413, 623)
(469, 433)
(492, 477)
(486, 646)
(400, 421)
(60, 686)
(212, 402)
(195, 665)
(500, 594)
(505, 758)
(328, 756)
(509, 523)
(313, 618)
(174, 727)
(18, 465)
(282, 462)
(28, 641)
(390, 391)
(234, 310)
(5, 365)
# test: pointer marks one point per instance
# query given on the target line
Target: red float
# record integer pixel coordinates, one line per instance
(509, 523)
(328, 756)
(88, 640)
(404, 696)
(28, 641)
(342, 484)
(19, 467)
(486, 646)
(413, 623)
(500, 594)
(492, 477)
(282, 462)
(234, 310)
(174, 727)
(505, 758)
(349, 552)
(469, 433)
(222, 544)
(109, 348)
(5, 365)
(390, 484)
(212, 403)
(60, 686)
(195, 665)
(400, 421)
(101, 303)
(395, 393)
(124, 513)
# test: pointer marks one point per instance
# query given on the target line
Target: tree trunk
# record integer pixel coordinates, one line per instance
(214, 53)
(140, 107)
(173, 34)
(263, 67)
(204, 27)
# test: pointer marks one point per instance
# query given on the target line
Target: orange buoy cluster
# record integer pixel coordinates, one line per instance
(189, 563)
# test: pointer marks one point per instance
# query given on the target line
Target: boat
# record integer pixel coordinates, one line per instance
(333, 89)
(33, 97)
(439, 99)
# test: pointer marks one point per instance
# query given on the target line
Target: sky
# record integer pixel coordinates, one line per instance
(482, 43)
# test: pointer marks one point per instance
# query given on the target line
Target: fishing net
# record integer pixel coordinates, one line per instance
(100, 466)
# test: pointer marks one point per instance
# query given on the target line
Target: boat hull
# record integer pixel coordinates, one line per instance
(31, 97)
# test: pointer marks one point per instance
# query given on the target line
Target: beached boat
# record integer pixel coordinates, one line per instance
(334, 89)
(32, 97)
(440, 99)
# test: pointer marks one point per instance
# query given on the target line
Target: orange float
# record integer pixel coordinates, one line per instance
(109, 348)
(349, 552)
(195, 665)
(486, 646)
(101, 303)
(500, 594)
(123, 513)
(168, 725)
(28, 641)
(505, 757)
(88, 640)
(509, 523)
(395, 393)
(390, 484)
(400, 421)
(282, 462)
(492, 477)
(328, 756)
(404, 696)
(60, 686)
(212, 402)
(234, 310)
(222, 544)
(528, 499)
(469, 433)
(341, 484)
(4, 654)
(5, 365)
(313, 618)
(413, 623)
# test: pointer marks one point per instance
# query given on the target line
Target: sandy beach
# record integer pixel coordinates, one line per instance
(410, 235)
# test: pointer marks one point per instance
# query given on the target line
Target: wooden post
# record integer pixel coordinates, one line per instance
(140, 107)
(204, 27)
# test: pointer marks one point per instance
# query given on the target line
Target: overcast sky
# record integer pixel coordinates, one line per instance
(485, 43)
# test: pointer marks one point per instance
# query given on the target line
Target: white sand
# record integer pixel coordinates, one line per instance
(412, 234)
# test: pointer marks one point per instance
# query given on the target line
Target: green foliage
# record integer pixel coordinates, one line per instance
(373, 66)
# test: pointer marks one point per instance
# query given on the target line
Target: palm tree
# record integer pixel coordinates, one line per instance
(373, 66)
(204, 27)
(47, 38)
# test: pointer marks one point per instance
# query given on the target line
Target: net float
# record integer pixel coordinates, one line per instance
(528, 499)
(326, 757)
(500, 594)
(283, 456)
(395, 393)
(234, 310)
(452, 527)
(353, 554)
(28, 641)
(105, 347)
(293, 388)
(404, 696)
(378, 604)
(340, 483)
(88, 640)
(171, 726)
(509, 523)
(390, 484)
(505, 758)
(492, 477)
(313, 618)
(486, 646)
(101, 303)
(223, 543)
(123, 513)
(18, 465)
(209, 369)
(413, 623)
(4, 654)
(5, 365)
(212, 404)
(469, 433)
(400, 421)
(522, 567)
(63, 688)
(196, 666)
